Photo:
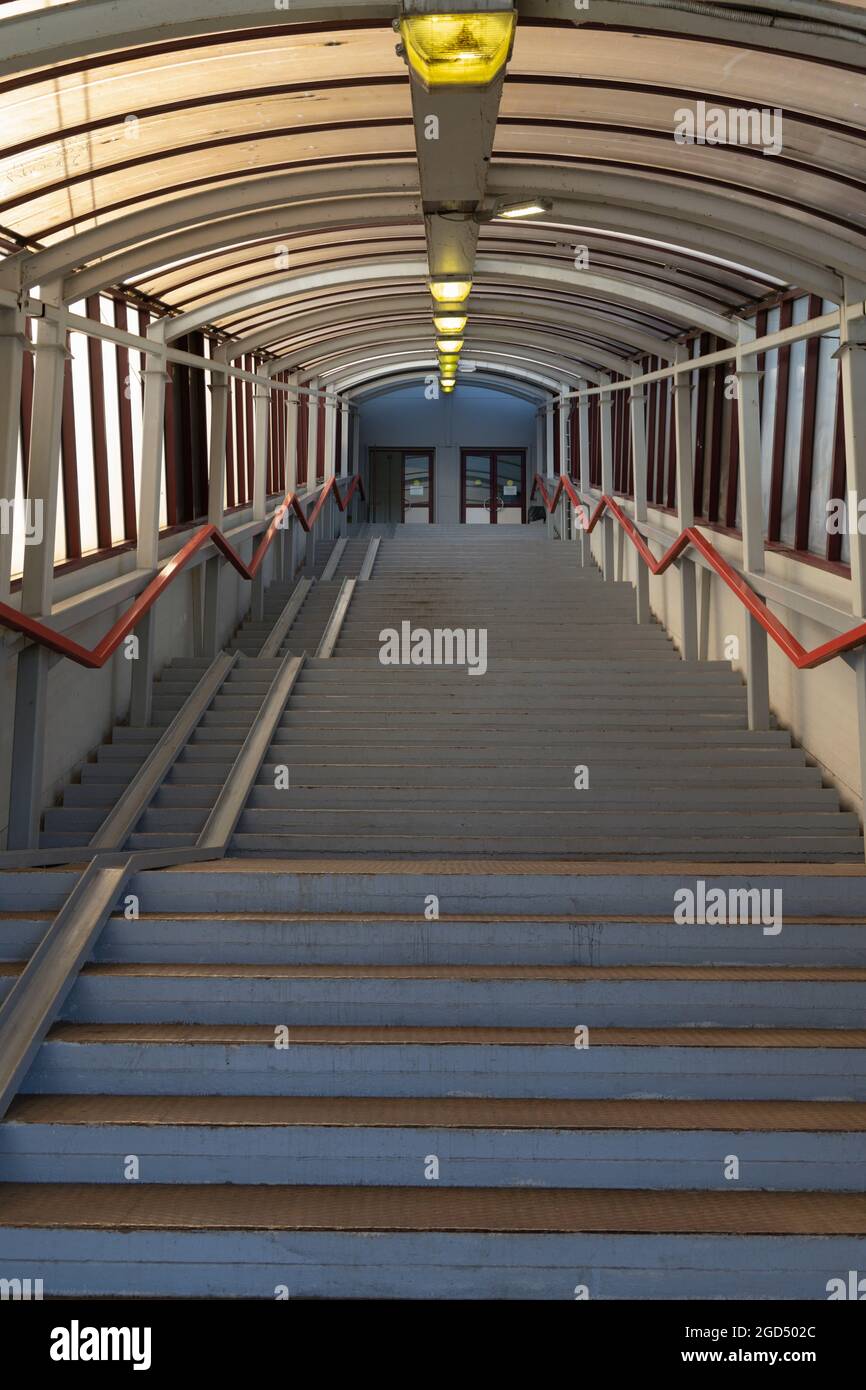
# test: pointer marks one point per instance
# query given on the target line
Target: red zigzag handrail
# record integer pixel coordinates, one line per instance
(803, 659)
(97, 656)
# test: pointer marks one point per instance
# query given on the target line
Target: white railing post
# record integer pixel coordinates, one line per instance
(583, 441)
(607, 538)
(562, 421)
(752, 518)
(13, 344)
(682, 389)
(37, 584)
(637, 414)
(219, 392)
(262, 422)
(152, 452)
(312, 449)
(853, 368)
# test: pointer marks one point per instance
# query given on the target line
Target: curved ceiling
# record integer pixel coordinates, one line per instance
(254, 169)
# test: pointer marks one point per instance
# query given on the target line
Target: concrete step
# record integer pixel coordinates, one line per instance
(256, 938)
(224, 1240)
(467, 996)
(373, 1141)
(692, 1063)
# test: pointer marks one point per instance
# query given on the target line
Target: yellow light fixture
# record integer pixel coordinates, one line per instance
(458, 50)
(449, 344)
(450, 291)
(451, 358)
(447, 386)
(532, 207)
(445, 377)
(450, 323)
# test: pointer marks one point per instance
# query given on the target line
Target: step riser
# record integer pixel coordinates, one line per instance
(518, 1071)
(241, 942)
(360, 1156)
(428, 1266)
(449, 1003)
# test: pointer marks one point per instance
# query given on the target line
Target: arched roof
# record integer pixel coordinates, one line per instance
(253, 169)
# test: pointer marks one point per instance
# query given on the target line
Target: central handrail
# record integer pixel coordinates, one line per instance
(94, 658)
(800, 656)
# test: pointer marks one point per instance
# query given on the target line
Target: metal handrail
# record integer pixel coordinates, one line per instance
(95, 658)
(803, 658)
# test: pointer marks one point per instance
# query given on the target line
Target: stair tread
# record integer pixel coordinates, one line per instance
(253, 1034)
(448, 1112)
(133, 1206)
(281, 970)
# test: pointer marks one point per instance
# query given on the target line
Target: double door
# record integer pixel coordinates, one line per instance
(492, 487)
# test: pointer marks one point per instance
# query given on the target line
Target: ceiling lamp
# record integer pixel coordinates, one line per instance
(447, 387)
(450, 291)
(449, 344)
(450, 323)
(457, 50)
(530, 207)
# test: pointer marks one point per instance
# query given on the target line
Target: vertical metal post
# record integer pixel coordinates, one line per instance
(261, 420)
(752, 519)
(37, 584)
(583, 439)
(312, 449)
(219, 390)
(853, 368)
(607, 538)
(562, 421)
(682, 389)
(152, 451)
(343, 468)
(13, 344)
(637, 396)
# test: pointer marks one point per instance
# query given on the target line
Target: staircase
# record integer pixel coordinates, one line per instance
(434, 1031)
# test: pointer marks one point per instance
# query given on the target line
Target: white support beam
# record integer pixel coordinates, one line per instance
(583, 449)
(752, 523)
(12, 348)
(152, 453)
(37, 584)
(853, 369)
(219, 392)
(685, 472)
(637, 416)
(607, 523)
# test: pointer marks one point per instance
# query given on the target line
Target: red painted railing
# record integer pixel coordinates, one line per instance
(803, 659)
(97, 656)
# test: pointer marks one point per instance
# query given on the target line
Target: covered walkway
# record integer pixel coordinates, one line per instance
(433, 639)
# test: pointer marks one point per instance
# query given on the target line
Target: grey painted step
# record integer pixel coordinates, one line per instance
(686, 1064)
(468, 996)
(349, 1141)
(352, 939)
(307, 770)
(744, 847)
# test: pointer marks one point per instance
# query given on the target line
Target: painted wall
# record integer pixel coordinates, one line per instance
(84, 705)
(472, 416)
(818, 707)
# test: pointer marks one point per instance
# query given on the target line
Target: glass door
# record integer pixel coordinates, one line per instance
(476, 489)
(418, 487)
(493, 486)
(510, 488)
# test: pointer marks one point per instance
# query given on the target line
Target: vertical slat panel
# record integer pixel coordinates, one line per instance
(807, 434)
(97, 425)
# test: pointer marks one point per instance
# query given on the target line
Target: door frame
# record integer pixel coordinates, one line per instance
(492, 455)
(387, 448)
(430, 455)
